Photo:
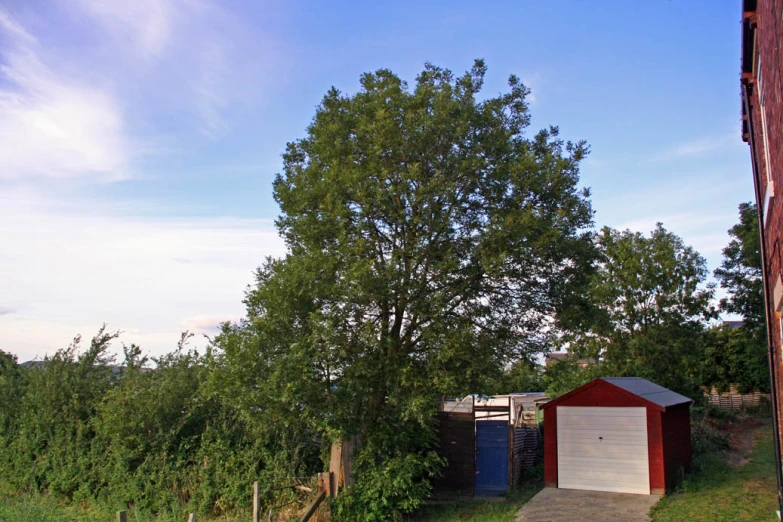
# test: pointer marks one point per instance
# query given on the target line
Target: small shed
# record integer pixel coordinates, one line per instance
(621, 434)
(486, 443)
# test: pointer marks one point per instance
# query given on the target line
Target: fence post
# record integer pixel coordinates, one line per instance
(192, 517)
(256, 502)
(122, 516)
(335, 468)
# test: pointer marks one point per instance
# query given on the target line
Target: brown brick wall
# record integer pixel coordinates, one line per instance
(769, 31)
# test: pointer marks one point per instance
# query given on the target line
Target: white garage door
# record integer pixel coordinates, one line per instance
(602, 449)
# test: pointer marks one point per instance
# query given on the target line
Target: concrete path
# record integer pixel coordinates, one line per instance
(568, 505)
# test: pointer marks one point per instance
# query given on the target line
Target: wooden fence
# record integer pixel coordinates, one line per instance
(734, 400)
(457, 443)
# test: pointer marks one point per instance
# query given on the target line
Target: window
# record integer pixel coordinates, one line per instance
(769, 190)
(780, 322)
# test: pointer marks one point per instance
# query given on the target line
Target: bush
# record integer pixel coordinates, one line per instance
(387, 489)
(706, 438)
(153, 440)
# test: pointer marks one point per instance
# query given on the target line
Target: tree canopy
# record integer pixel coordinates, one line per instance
(738, 355)
(431, 242)
(650, 305)
(740, 271)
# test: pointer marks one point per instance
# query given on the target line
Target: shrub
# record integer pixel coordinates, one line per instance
(706, 438)
(387, 489)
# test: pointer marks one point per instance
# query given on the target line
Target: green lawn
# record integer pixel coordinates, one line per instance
(479, 510)
(716, 492)
(42, 508)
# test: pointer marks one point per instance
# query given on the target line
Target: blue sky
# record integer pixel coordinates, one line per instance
(140, 139)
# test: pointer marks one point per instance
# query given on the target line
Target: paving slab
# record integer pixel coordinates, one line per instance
(568, 505)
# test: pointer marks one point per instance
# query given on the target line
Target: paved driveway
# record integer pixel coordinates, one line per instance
(568, 505)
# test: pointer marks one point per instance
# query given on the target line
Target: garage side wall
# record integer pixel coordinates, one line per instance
(655, 452)
(677, 443)
(602, 393)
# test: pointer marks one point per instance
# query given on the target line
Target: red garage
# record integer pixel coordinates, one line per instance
(622, 434)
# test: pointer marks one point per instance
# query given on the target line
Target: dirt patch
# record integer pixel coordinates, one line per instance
(741, 436)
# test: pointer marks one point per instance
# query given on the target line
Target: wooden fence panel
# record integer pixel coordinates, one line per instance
(734, 400)
(457, 444)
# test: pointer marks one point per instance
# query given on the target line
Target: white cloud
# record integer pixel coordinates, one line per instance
(82, 86)
(13, 29)
(202, 55)
(52, 125)
(533, 82)
(700, 147)
(206, 324)
(68, 267)
(678, 223)
(147, 24)
(88, 114)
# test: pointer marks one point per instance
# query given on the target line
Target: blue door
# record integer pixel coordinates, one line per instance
(491, 458)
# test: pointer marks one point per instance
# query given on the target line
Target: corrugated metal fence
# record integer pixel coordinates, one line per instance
(525, 447)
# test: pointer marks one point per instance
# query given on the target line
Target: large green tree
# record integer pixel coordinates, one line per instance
(740, 271)
(431, 242)
(11, 391)
(650, 306)
(738, 355)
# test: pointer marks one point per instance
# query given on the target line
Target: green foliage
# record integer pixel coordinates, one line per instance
(706, 438)
(649, 307)
(737, 356)
(429, 239)
(11, 391)
(564, 376)
(51, 449)
(388, 487)
(740, 271)
(149, 427)
(522, 376)
(157, 440)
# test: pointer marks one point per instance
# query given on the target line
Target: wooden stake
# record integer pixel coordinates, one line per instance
(122, 516)
(310, 511)
(335, 467)
(256, 502)
(192, 517)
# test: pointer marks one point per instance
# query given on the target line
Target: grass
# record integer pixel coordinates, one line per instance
(43, 508)
(29, 508)
(716, 492)
(480, 510)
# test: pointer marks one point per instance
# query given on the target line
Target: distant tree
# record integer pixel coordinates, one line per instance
(11, 390)
(650, 305)
(522, 376)
(431, 242)
(740, 271)
(738, 355)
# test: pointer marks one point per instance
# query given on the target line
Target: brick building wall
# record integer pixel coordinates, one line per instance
(762, 83)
